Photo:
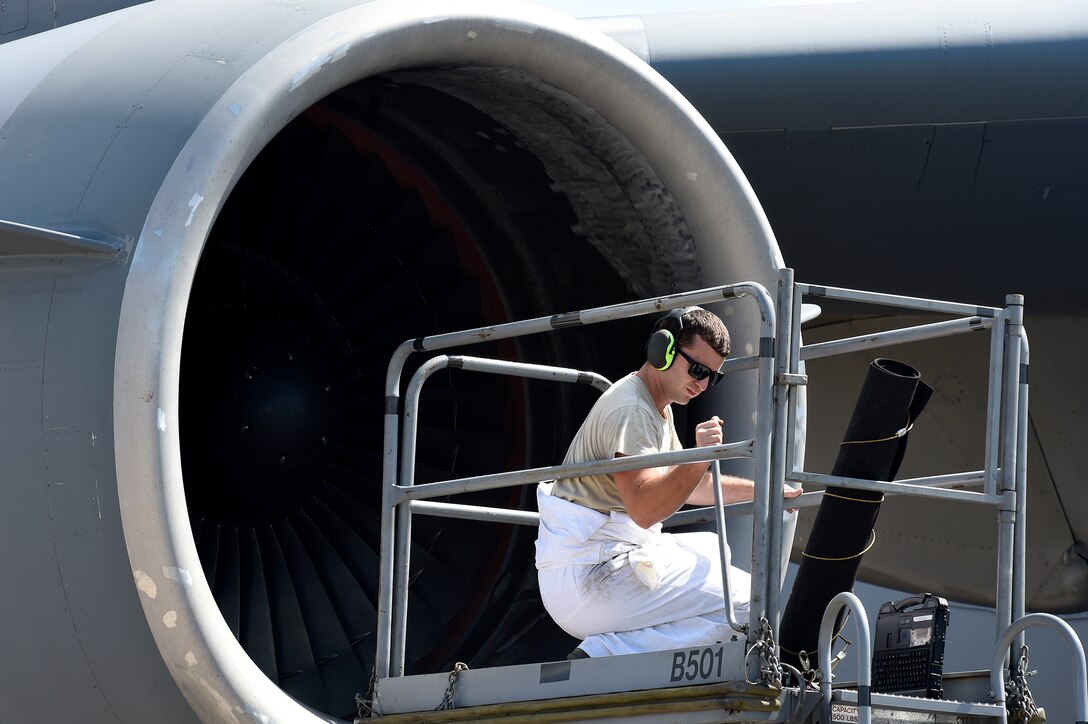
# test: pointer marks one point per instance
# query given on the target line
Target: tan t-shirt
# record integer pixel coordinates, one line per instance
(624, 421)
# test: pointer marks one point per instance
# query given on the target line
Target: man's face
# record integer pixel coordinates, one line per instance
(679, 383)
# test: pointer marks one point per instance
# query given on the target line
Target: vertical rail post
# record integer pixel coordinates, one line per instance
(1020, 557)
(1010, 389)
(403, 540)
(762, 478)
(993, 403)
(792, 453)
(387, 536)
(723, 546)
(782, 392)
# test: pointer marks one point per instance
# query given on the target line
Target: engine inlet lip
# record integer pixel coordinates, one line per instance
(211, 668)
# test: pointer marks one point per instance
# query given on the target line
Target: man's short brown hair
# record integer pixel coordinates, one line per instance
(708, 326)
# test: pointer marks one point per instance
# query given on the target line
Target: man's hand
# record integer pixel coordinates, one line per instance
(789, 493)
(734, 489)
(709, 433)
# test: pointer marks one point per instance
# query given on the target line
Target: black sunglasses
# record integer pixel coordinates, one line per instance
(700, 371)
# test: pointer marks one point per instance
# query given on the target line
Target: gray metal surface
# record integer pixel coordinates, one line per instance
(133, 130)
(21, 18)
(635, 672)
(906, 131)
(898, 134)
(20, 240)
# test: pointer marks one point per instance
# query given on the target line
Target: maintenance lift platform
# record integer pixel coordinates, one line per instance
(742, 679)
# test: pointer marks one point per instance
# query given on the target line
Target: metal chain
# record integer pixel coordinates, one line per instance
(447, 700)
(770, 669)
(1018, 699)
(365, 704)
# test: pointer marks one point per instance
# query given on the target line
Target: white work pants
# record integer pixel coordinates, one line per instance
(628, 590)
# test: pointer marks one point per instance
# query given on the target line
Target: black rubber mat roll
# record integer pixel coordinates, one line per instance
(891, 399)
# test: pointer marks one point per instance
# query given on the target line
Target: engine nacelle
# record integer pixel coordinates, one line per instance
(220, 220)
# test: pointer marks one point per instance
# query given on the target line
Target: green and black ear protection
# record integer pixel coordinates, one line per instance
(661, 347)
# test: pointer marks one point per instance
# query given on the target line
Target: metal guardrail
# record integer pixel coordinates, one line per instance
(414, 494)
(1080, 669)
(846, 599)
(1003, 478)
(399, 495)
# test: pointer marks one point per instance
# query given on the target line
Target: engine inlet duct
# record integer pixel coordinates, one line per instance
(891, 399)
(218, 220)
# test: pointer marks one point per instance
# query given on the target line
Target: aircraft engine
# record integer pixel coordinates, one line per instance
(217, 221)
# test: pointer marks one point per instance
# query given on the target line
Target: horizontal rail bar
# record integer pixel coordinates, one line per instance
(531, 518)
(526, 369)
(482, 365)
(593, 316)
(706, 514)
(528, 517)
(742, 449)
(475, 512)
(900, 703)
(900, 488)
(893, 300)
(896, 336)
(950, 480)
(736, 364)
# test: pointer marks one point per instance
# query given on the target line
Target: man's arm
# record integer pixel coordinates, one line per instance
(651, 495)
(734, 490)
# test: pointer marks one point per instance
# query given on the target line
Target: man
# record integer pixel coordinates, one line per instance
(607, 573)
